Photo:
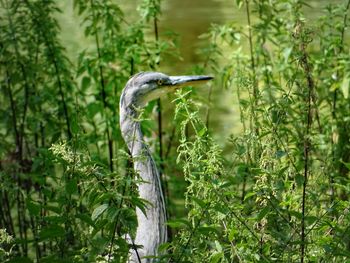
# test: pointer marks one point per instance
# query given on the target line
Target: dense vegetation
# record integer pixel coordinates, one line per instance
(277, 191)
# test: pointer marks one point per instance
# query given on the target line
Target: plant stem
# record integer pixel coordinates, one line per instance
(165, 186)
(307, 142)
(334, 101)
(252, 65)
(103, 91)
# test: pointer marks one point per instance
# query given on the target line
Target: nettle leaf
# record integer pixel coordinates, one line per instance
(249, 195)
(164, 247)
(75, 126)
(178, 223)
(85, 83)
(286, 54)
(239, 3)
(207, 229)
(72, 186)
(202, 132)
(200, 202)
(232, 234)
(19, 260)
(52, 232)
(112, 213)
(263, 213)
(99, 211)
(279, 154)
(86, 219)
(299, 179)
(33, 208)
(345, 86)
(216, 257)
(296, 214)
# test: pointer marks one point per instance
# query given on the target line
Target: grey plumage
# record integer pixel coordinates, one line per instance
(139, 90)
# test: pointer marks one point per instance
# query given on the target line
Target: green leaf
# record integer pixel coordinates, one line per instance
(164, 247)
(200, 202)
(85, 218)
(299, 179)
(216, 257)
(98, 211)
(72, 186)
(54, 209)
(206, 229)
(19, 260)
(345, 86)
(93, 108)
(248, 195)
(178, 223)
(202, 132)
(296, 214)
(85, 83)
(218, 246)
(286, 53)
(239, 3)
(279, 154)
(33, 208)
(263, 213)
(232, 234)
(52, 231)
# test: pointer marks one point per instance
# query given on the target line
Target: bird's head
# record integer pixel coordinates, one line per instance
(146, 86)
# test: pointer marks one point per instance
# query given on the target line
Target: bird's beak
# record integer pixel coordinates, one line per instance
(188, 80)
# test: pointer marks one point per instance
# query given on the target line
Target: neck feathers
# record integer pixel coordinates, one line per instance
(151, 231)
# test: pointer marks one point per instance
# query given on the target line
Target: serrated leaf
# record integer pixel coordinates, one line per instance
(164, 247)
(232, 234)
(98, 211)
(345, 86)
(279, 154)
(200, 202)
(202, 132)
(52, 231)
(216, 257)
(85, 82)
(263, 213)
(248, 195)
(206, 229)
(299, 179)
(218, 246)
(19, 260)
(85, 218)
(286, 53)
(72, 186)
(178, 223)
(33, 208)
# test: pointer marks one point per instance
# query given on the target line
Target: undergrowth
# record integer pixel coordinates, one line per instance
(275, 191)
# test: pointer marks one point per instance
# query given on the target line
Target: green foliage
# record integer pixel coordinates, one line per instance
(280, 195)
(275, 191)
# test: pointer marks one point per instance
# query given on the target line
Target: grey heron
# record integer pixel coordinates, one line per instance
(139, 90)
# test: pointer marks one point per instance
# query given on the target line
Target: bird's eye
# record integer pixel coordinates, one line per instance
(160, 82)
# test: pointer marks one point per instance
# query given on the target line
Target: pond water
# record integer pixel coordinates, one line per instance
(188, 19)
(192, 18)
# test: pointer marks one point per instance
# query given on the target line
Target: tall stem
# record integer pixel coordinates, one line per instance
(252, 65)
(37, 14)
(307, 142)
(334, 100)
(159, 104)
(160, 133)
(103, 91)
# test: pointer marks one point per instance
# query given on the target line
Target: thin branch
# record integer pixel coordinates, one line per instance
(307, 142)
(103, 90)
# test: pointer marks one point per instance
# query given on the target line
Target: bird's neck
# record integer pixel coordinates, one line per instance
(132, 134)
(151, 231)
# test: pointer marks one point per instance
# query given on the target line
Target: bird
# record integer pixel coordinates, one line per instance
(138, 91)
